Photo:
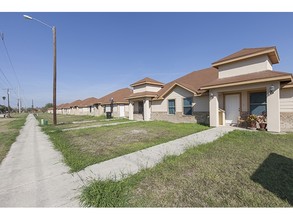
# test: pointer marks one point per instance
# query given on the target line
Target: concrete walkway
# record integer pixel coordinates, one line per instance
(97, 126)
(123, 166)
(33, 174)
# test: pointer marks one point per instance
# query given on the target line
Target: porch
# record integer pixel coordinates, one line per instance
(231, 106)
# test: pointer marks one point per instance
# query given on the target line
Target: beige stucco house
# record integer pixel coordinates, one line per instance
(89, 106)
(178, 101)
(116, 100)
(247, 84)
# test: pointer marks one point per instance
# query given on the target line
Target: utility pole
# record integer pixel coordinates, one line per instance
(8, 100)
(18, 100)
(8, 93)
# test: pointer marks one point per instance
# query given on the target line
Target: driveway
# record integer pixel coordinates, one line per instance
(33, 174)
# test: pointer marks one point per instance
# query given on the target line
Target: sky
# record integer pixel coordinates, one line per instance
(100, 52)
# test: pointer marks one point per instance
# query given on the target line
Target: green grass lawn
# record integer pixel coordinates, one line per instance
(85, 147)
(9, 130)
(241, 169)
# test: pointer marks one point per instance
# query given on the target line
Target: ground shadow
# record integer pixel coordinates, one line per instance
(276, 175)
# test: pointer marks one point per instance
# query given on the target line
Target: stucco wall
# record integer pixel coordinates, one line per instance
(146, 87)
(247, 66)
(201, 103)
(178, 94)
(286, 100)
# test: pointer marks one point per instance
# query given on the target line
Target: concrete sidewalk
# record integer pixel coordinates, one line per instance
(33, 174)
(132, 163)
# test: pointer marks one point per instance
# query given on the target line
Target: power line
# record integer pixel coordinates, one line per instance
(15, 74)
(8, 82)
(7, 53)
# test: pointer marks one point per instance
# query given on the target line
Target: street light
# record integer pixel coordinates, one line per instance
(53, 28)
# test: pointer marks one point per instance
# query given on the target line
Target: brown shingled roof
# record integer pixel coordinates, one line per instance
(75, 103)
(89, 102)
(262, 76)
(147, 80)
(119, 96)
(248, 53)
(192, 81)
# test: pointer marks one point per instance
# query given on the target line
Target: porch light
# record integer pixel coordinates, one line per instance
(272, 89)
(212, 95)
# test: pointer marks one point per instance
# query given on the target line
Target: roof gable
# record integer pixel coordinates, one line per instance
(147, 80)
(191, 82)
(247, 53)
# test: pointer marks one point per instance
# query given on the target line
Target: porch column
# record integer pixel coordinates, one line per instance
(273, 107)
(214, 109)
(146, 110)
(130, 111)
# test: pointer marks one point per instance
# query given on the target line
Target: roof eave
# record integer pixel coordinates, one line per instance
(146, 83)
(281, 78)
(272, 54)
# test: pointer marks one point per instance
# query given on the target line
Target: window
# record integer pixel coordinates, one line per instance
(187, 106)
(258, 103)
(171, 106)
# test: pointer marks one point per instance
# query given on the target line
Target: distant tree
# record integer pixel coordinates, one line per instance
(48, 105)
(45, 108)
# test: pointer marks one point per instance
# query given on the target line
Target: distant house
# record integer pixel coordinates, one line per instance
(50, 110)
(178, 101)
(74, 107)
(89, 106)
(119, 99)
(140, 101)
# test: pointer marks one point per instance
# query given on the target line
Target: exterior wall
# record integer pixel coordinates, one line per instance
(140, 88)
(286, 121)
(286, 100)
(178, 94)
(286, 109)
(247, 66)
(200, 108)
(138, 117)
(126, 112)
(201, 103)
(273, 108)
(146, 88)
(152, 88)
(214, 108)
(198, 117)
(130, 110)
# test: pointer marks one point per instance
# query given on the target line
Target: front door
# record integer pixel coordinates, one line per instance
(122, 114)
(232, 108)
